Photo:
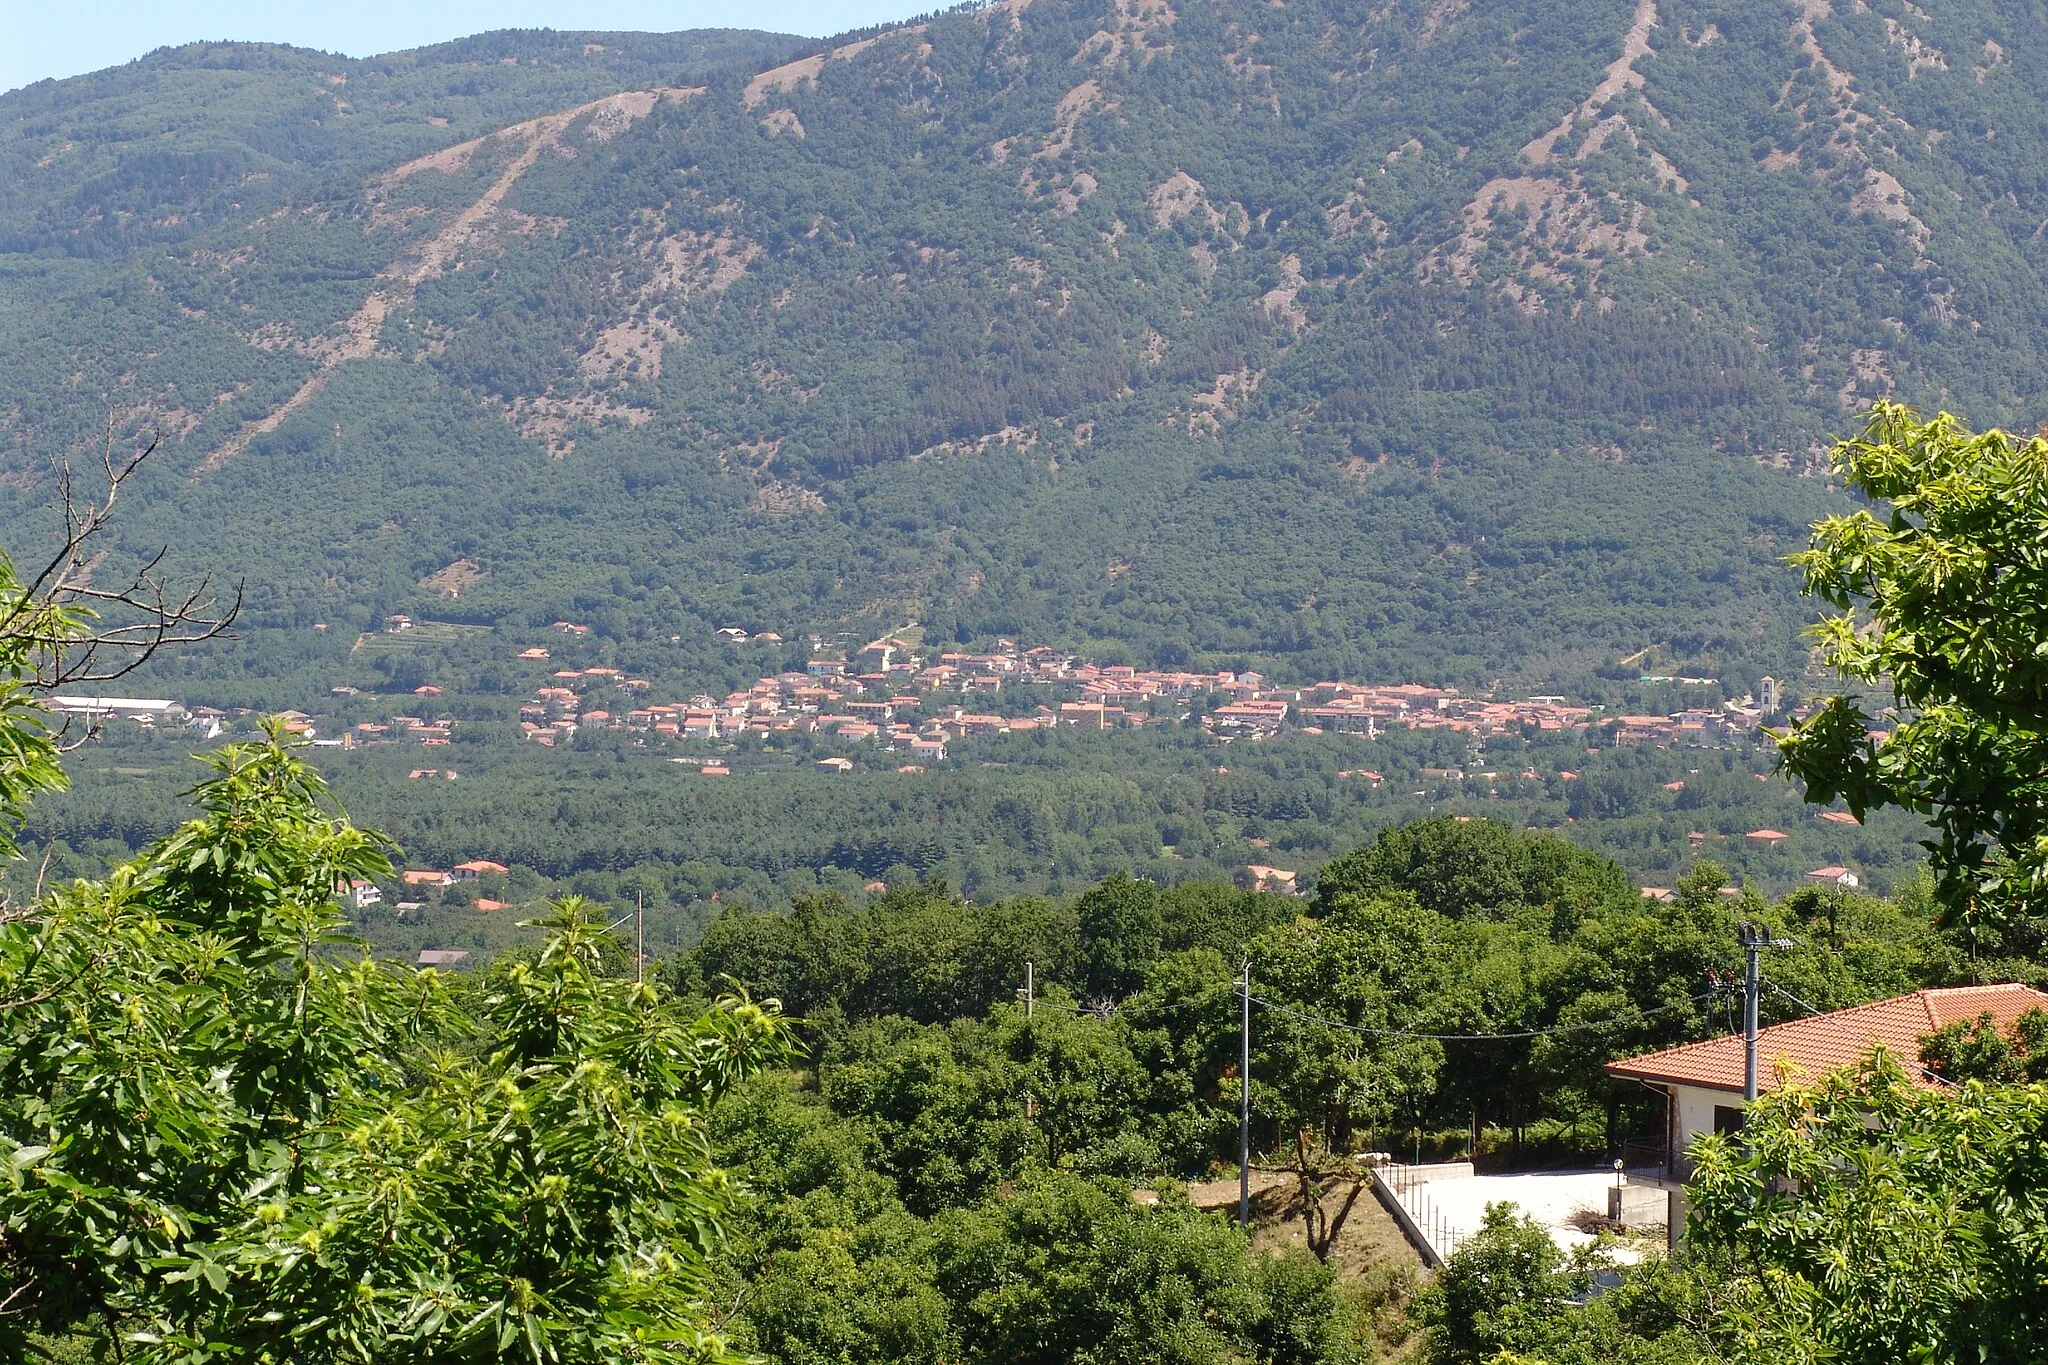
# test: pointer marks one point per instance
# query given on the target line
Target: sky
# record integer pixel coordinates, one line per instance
(40, 38)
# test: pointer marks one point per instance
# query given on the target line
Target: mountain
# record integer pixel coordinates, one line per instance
(187, 138)
(1454, 341)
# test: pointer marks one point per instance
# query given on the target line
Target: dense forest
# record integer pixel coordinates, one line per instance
(1047, 814)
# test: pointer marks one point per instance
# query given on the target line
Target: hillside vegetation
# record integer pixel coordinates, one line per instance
(1460, 341)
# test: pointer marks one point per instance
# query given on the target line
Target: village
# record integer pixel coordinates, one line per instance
(894, 695)
(903, 699)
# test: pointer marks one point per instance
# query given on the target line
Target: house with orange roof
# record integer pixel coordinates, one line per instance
(478, 867)
(1703, 1082)
(1769, 837)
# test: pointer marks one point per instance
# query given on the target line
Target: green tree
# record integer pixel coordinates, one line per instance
(1500, 1290)
(1868, 1219)
(1937, 598)
(1315, 1083)
(1067, 1269)
(1982, 1051)
(227, 1136)
(1475, 868)
(1121, 934)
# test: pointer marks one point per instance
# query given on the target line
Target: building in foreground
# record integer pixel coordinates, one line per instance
(1702, 1083)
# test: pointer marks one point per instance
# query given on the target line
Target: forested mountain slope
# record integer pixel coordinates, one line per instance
(1453, 340)
(187, 138)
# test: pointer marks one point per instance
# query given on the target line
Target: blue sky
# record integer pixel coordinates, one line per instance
(40, 38)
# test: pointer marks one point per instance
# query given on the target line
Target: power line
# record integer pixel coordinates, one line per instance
(1929, 1072)
(1583, 1026)
(1580, 1027)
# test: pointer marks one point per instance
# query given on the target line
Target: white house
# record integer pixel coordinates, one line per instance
(1702, 1082)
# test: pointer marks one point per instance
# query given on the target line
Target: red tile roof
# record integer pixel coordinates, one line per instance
(1829, 1042)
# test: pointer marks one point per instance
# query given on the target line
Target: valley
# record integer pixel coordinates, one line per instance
(869, 668)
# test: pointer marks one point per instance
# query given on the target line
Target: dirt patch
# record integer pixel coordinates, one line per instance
(1367, 1244)
(1349, 217)
(1884, 196)
(1621, 74)
(1067, 115)
(1991, 58)
(1137, 32)
(1441, 13)
(1177, 196)
(805, 70)
(1018, 438)
(1279, 301)
(454, 580)
(1921, 55)
(1223, 399)
(1870, 378)
(629, 350)
(1554, 216)
(1076, 192)
(1554, 219)
(690, 263)
(1359, 470)
(549, 419)
(358, 335)
(780, 499)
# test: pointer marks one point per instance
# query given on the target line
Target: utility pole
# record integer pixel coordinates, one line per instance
(1753, 941)
(639, 938)
(1244, 1100)
(1028, 993)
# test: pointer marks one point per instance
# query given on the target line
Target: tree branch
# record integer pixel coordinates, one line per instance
(62, 628)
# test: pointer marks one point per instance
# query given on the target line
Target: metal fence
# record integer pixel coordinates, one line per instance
(1652, 1158)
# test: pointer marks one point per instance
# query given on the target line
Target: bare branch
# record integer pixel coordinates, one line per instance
(68, 629)
(43, 870)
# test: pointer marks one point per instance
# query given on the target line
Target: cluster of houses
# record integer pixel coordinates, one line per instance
(401, 730)
(361, 895)
(895, 694)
